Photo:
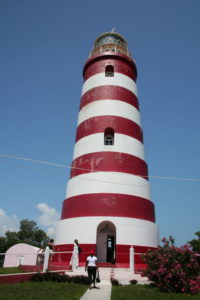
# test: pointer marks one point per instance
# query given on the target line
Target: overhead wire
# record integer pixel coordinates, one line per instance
(92, 170)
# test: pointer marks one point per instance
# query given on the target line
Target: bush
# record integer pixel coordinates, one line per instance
(133, 281)
(50, 277)
(81, 279)
(59, 278)
(114, 281)
(173, 269)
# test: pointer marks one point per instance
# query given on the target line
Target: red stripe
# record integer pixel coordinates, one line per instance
(119, 125)
(109, 162)
(102, 57)
(109, 92)
(120, 66)
(122, 253)
(115, 205)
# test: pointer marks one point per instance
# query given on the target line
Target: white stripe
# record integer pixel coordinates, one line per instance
(109, 108)
(109, 182)
(118, 80)
(129, 231)
(122, 143)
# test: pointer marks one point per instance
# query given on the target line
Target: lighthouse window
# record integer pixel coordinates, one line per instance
(109, 71)
(108, 136)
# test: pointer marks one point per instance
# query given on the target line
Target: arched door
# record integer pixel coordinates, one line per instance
(106, 240)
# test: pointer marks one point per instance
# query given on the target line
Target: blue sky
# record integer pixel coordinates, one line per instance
(43, 46)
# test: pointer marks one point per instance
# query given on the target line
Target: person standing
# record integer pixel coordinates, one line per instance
(91, 268)
(74, 262)
(48, 252)
(51, 246)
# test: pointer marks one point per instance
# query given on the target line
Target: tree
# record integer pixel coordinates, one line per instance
(29, 233)
(27, 230)
(195, 243)
(11, 238)
(40, 238)
(3, 248)
(3, 245)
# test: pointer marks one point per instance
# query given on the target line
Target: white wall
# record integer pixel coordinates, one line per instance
(129, 231)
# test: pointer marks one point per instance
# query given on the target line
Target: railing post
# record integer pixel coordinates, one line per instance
(132, 262)
(46, 259)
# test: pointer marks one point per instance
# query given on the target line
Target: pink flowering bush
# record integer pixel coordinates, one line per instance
(173, 269)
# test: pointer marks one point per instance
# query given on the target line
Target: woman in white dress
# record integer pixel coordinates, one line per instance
(74, 262)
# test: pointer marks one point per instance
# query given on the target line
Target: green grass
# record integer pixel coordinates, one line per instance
(42, 291)
(141, 292)
(11, 270)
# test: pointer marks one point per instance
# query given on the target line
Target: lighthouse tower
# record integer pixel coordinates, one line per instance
(108, 205)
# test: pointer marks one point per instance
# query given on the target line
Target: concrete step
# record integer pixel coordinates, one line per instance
(123, 275)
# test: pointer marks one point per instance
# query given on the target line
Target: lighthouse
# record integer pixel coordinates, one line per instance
(108, 205)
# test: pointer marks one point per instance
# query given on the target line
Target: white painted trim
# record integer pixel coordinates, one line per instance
(122, 143)
(129, 231)
(118, 80)
(109, 108)
(109, 182)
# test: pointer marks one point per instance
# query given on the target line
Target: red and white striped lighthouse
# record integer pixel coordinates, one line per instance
(108, 205)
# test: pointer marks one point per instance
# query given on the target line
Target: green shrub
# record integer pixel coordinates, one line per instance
(81, 279)
(133, 281)
(59, 278)
(114, 281)
(173, 269)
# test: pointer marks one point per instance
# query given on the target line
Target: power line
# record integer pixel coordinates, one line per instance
(33, 160)
(43, 162)
(35, 168)
(91, 170)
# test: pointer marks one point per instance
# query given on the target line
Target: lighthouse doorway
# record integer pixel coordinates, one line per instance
(106, 240)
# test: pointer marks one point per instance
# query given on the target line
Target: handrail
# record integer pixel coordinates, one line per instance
(42, 252)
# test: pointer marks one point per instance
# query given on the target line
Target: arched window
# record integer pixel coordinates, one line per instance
(108, 136)
(109, 71)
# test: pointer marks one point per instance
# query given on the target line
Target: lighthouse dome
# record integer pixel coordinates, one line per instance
(110, 42)
(110, 38)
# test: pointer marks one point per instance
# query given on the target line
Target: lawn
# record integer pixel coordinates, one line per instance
(11, 270)
(141, 292)
(42, 290)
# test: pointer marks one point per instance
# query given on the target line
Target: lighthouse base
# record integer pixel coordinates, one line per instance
(110, 238)
(121, 260)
